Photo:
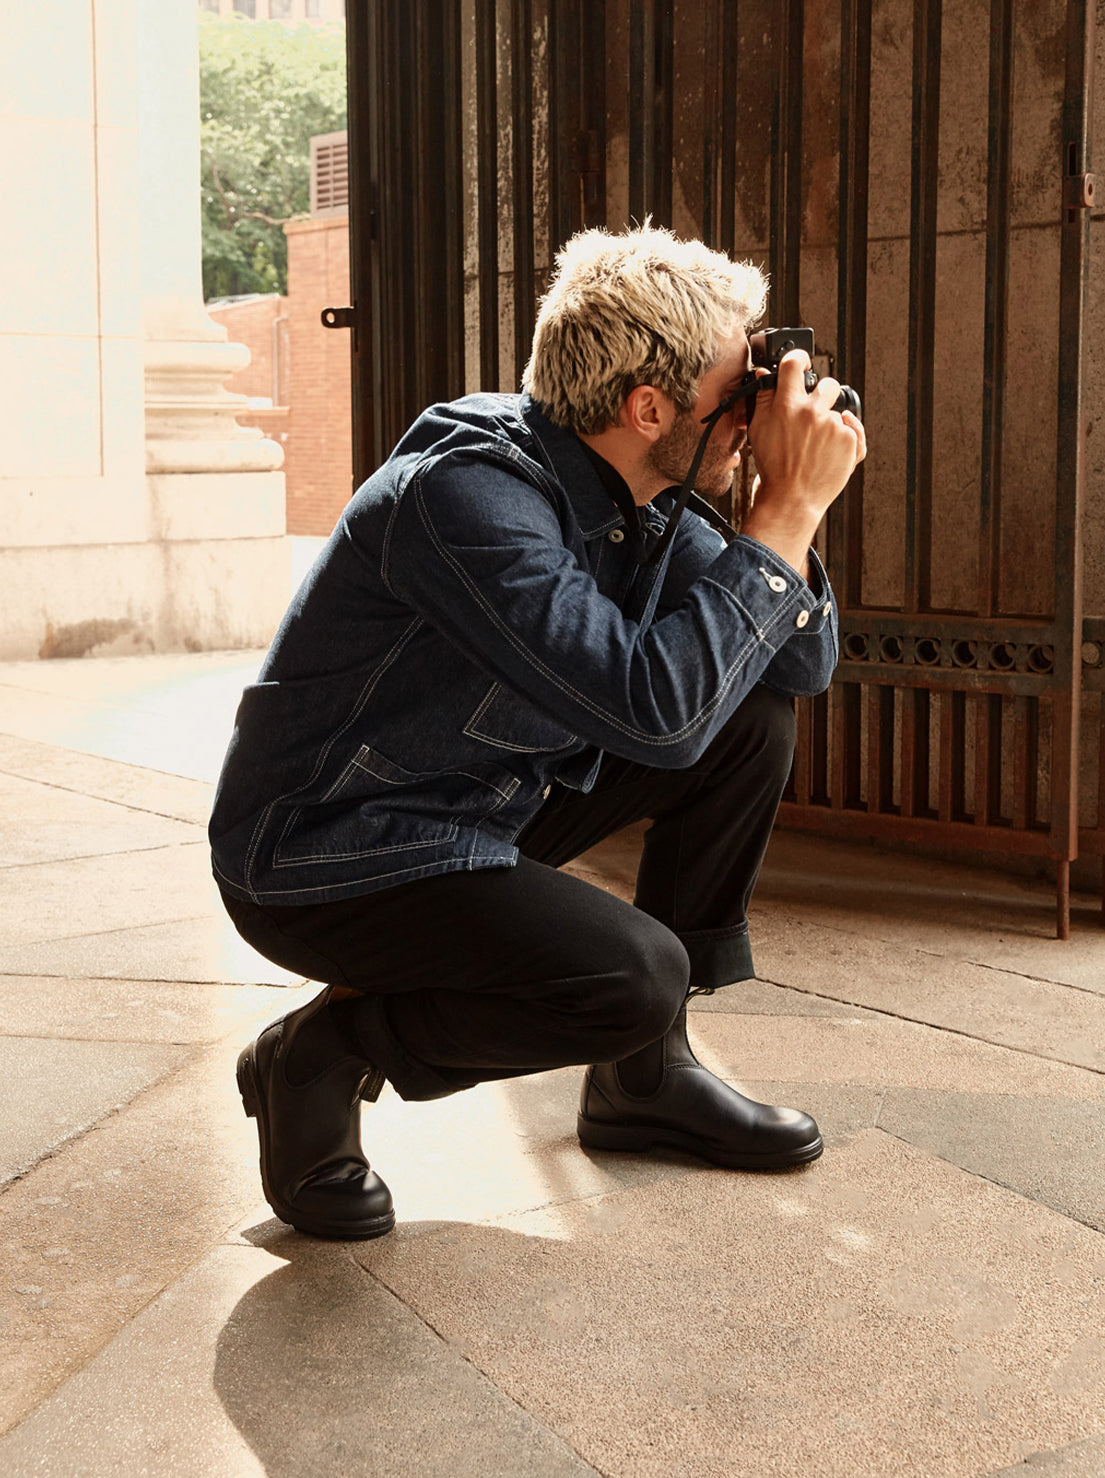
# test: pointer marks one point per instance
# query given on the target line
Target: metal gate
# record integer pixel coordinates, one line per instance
(916, 180)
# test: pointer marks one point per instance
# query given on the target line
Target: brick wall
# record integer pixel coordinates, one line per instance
(256, 322)
(311, 415)
(319, 465)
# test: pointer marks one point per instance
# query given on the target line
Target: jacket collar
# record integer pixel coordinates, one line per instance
(594, 507)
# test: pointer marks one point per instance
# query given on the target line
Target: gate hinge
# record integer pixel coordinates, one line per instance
(339, 318)
(1078, 191)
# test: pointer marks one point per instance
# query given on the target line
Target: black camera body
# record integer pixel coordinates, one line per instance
(768, 347)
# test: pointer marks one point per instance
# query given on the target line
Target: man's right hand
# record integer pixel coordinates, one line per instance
(805, 453)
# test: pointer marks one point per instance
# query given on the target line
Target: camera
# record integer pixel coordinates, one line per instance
(768, 347)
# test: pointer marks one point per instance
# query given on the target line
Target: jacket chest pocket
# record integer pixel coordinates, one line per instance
(509, 722)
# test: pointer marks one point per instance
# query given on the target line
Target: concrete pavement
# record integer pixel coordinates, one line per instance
(927, 1299)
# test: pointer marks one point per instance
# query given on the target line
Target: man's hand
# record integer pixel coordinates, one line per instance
(805, 453)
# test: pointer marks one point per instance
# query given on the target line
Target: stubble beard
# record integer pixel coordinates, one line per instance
(672, 455)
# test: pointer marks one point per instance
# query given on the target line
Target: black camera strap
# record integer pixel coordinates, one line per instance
(687, 487)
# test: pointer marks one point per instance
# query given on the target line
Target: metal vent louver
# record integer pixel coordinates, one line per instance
(329, 174)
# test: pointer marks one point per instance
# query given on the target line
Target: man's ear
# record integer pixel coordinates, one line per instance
(648, 412)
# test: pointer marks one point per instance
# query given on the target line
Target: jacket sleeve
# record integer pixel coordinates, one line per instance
(481, 555)
(805, 660)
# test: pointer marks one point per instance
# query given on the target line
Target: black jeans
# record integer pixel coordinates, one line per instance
(472, 976)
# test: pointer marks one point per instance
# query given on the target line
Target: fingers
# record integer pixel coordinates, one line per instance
(854, 423)
(792, 375)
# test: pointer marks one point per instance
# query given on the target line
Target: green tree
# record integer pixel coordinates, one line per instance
(265, 88)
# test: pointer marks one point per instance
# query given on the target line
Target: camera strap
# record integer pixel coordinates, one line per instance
(687, 487)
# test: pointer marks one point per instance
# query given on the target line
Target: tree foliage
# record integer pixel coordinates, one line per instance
(265, 88)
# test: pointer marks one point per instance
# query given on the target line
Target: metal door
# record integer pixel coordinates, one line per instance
(916, 179)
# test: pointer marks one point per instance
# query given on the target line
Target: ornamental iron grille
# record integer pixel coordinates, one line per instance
(915, 178)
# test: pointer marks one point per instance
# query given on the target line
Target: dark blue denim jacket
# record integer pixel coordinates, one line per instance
(476, 628)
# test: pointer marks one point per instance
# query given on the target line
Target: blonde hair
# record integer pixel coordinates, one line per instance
(641, 308)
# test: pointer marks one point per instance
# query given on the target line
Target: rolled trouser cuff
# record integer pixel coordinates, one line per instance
(718, 957)
(413, 1080)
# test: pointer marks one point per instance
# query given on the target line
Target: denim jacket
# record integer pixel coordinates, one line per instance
(477, 628)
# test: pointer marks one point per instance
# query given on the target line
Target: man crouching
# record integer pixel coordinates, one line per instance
(509, 649)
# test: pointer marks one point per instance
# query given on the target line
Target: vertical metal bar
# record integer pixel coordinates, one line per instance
(907, 752)
(922, 301)
(987, 798)
(361, 68)
(727, 186)
(1071, 434)
(663, 147)
(1025, 760)
(914, 752)
(786, 167)
(995, 341)
(819, 747)
(847, 721)
(713, 90)
(563, 120)
(953, 734)
(845, 527)
(521, 84)
(487, 205)
(642, 117)
(1062, 900)
(1101, 786)
(880, 749)
(591, 149)
(801, 777)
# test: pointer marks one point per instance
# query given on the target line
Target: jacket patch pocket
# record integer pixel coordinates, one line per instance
(510, 722)
(376, 806)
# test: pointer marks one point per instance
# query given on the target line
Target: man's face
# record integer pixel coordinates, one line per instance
(672, 454)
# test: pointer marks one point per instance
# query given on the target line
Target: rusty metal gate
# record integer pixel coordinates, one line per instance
(915, 177)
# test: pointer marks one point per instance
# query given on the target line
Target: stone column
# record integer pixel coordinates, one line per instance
(216, 496)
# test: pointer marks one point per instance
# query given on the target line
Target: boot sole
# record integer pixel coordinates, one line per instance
(641, 1138)
(354, 1231)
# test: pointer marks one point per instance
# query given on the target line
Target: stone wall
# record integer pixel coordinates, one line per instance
(136, 515)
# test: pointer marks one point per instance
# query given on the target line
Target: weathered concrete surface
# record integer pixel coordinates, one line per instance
(926, 1299)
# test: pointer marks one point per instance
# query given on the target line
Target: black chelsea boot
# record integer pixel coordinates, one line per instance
(304, 1086)
(663, 1097)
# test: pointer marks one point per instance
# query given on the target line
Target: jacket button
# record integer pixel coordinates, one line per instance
(802, 618)
(777, 583)
(546, 792)
(616, 536)
(827, 608)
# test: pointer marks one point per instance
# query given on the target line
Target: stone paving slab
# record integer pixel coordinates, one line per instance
(39, 829)
(203, 949)
(52, 1090)
(250, 1366)
(946, 909)
(153, 712)
(764, 998)
(107, 779)
(1048, 1149)
(131, 1010)
(1051, 1020)
(135, 1201)
(880, 1313)
(57, 900)
(880, 1052)
(1079, 1460)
